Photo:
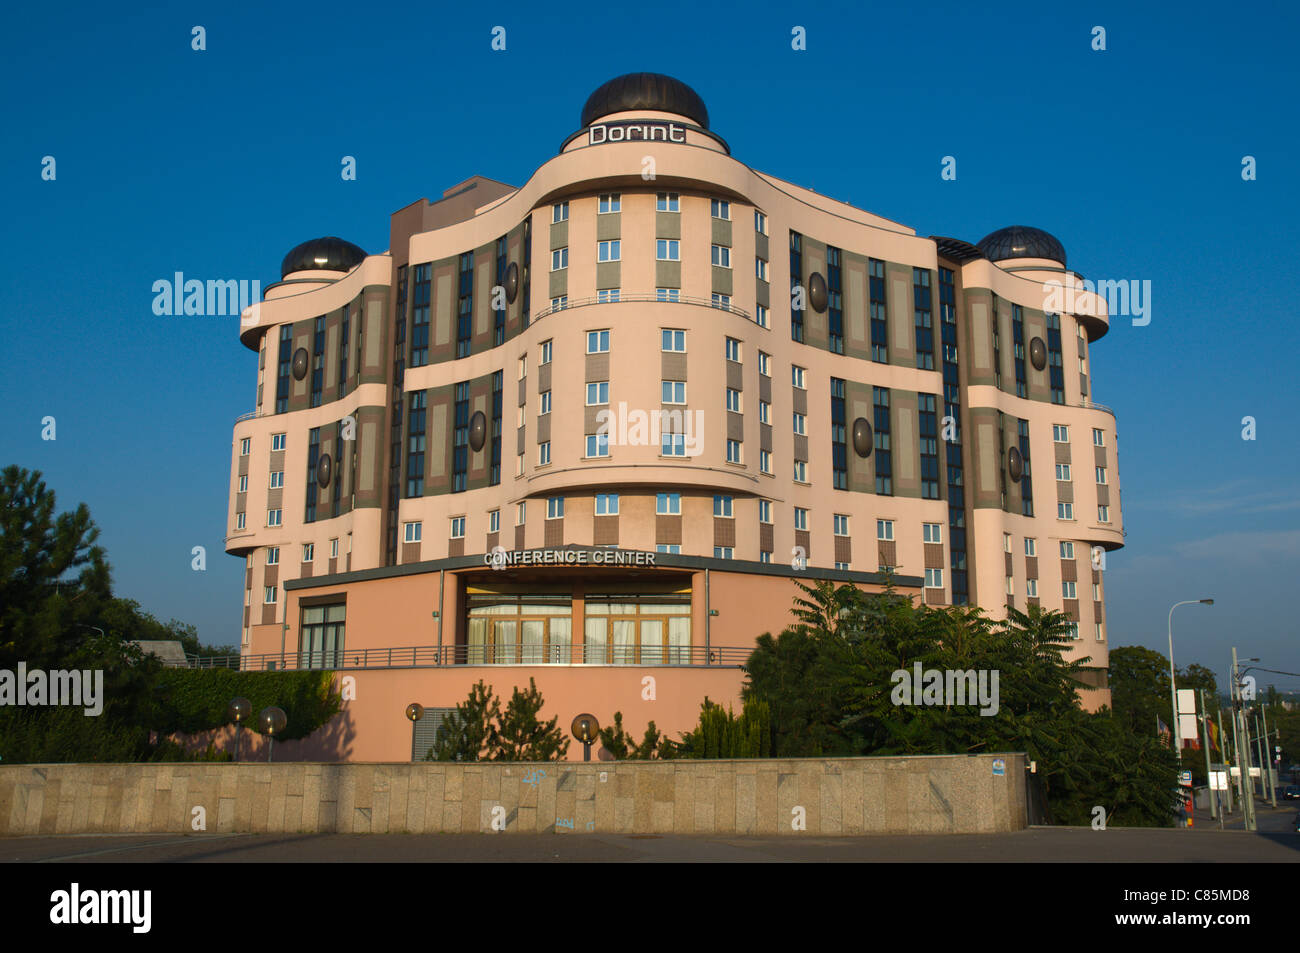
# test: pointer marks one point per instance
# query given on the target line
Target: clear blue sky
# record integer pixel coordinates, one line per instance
(216, 163)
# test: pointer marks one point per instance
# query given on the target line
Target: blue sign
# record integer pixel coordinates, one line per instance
(999, 768)
(1185, 778)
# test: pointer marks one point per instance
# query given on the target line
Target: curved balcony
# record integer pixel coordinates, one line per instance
(642, 299)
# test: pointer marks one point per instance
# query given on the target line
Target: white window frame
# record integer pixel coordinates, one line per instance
(597, 387)
(932, 529)
(670, 202)
(724, 503)
(797, 376)
(559, 212)
(733, 401)
(1064, 511)
(672, 336)
(544, 453)
(885, 531)
(412, 531)
(720, 256)
(610, 249)
(668, 249)
(277, 442)
(494, 521)
(1060, 433)
(668, 501)
(457, 523)
(609, 203)
(722, 206)
(611, 504)
(800, 471)
(1067, 549)
(560, 255)
(735, 452)
(555, 507)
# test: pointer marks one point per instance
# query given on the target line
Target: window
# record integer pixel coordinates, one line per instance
(597, 342)
(1068, 590)
(546, 401)
(764, 412)
(884, 461)
(764, 364)
(1101, 476)
(1100, 630)
(672, 549)
(555, 507)
(928, 424)
(923, 318)
(560, 303)
(606, 504)
(1063, 471)
(796, 376)
(667, 202)
(722, 256)
(560, 212)
(841, 525)
(761, 316)
(285, 364)
(1060, 433)
(799, 424)
(668, 504)
(609, 250)
(720, 209)
(733, 349)
(765, 511)
(459, 437)
(560, 259)
(844, 566)
(245, 446)
(1031, 547)
(879, 316)
(668, 249)
(523, 366)
(1031, 588)
(606, 295)
(764, 557)
(800, 518)
(1011, 585)
(932, 532)
(722, 552)
(673, 340)
(673, 445)
(934, 579)
(674, 392)
(733, 400)
(411, 532)
(243, 484)
(334, 548)
(721, 301)
(240, 521)
(797, 294)
(834, 300)
(546, 352)
(272, 517)
(277, 442)
(760, 268)
(494, 521)
(458, 527)
(722, 506)
(544, 453)
(597, 444)
(268, 595)
(1096, 592)
(760, 222)
(521, 514)
(885, 530)
(273, 555)
(1065, 511)
(1098, 438)
(765, 461)
(610, 203)
(597, 393)
(422, 275)
(668, 294)
(1067, 550)
(1103, 514)
(800, 471)
(1006, 542)
(733, 452)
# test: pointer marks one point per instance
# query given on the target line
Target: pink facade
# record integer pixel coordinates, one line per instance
(459, 385)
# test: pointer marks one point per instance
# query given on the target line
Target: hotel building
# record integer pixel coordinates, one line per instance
(592, 429)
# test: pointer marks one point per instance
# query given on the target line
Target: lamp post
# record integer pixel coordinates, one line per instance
(273, 721)
(1174, 732)
(586, 729)
(238, 711)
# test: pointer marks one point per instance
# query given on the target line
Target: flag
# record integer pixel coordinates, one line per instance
(1161, 728)
(1213, 730)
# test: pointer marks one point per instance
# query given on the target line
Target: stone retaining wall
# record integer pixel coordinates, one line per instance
(937, 794)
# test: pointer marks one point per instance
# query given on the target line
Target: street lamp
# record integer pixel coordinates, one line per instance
(586, 729)
(1173, 694)
(238, 711)
(272, 720)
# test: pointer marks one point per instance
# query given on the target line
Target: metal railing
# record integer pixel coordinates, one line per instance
(432, 656)
(1093, 405)
(644, 299)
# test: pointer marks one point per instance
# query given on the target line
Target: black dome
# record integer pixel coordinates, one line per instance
(1021, 241)
(322, 254)
(645, 91)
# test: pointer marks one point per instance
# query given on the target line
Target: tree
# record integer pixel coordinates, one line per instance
(522, 736)
(1139, 688)
(468, 733)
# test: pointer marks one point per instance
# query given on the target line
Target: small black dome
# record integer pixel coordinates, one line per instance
(645, 91)
(1021, 241)
(322, 254)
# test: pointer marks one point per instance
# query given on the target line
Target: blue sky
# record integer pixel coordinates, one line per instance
(216, 163)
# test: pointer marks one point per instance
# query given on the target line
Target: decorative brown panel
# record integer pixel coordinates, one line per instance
(597, 367)
(519, 536)
(493, 541)
(668, 530)
(1011, 568)
(1062, 452)
(843, 549)
(1031, 567)
(605, 531)
(1103, 494)
(268, 614)
(1097, 614)
(801, 447)
(803, 539)
(456, 547)
(334, 565)
(410, 553)
(888, 550)
(1098, 455)
(933, 555)
(1032, 602)
(735, 372)
(271, 576)
(724, 531)
(766, 537)
(1069, 570)
(554, 533)
(765, 437)
(304, 571)
(765, 388)
(1071, 608)
(800, 400)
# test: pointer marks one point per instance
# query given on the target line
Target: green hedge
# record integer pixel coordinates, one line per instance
(196, 699)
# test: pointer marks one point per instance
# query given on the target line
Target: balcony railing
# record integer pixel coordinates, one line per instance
(432, 656)
(1093, 405)
(642, 298)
